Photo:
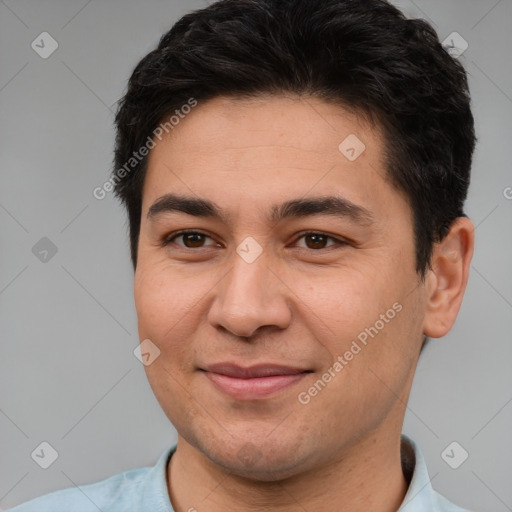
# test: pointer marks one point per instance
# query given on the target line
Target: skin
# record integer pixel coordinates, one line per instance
(300, 303)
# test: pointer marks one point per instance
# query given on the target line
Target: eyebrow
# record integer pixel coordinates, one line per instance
(335, 206)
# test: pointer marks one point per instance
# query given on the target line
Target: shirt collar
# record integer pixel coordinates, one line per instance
(420, 496)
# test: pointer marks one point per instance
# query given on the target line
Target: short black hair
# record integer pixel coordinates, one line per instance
(364, 55)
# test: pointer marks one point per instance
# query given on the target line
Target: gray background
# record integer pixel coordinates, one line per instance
(68, 375)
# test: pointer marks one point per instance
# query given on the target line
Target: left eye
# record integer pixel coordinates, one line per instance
(316, 240)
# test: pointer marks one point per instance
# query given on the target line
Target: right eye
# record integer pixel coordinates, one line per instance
(190, 239)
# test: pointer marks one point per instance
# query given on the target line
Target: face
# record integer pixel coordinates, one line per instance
(289, 326)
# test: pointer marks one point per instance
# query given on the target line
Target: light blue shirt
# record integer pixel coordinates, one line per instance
(145, 490)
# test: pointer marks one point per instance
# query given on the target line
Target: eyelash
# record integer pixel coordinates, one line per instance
(169, 239)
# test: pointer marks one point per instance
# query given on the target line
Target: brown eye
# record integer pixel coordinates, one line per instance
(193, 239)
(190, 239)
(317, 241)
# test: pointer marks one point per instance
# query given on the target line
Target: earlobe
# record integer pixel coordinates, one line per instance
(448, 277)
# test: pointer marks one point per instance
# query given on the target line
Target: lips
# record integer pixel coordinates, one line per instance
(260, 370)
(255, 382)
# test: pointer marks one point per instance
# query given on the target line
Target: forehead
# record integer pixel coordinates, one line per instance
(273, 123)
(265, 148)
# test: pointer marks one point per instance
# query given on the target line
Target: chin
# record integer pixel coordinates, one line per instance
(265, 460)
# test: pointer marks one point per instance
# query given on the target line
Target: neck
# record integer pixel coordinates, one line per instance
(366, 476)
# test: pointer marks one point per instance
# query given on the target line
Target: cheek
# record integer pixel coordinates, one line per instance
(165, 316)
(341, 302)
(162, 301)
(373, 378)
(372, 322)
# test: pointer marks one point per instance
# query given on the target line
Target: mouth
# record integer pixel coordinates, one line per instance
(255, 382)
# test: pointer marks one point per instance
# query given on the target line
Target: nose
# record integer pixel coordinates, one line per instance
(250, 296)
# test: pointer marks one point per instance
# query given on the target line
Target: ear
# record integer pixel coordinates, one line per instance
(447, 279)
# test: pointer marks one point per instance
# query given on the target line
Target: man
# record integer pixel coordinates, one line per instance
(294, 173)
